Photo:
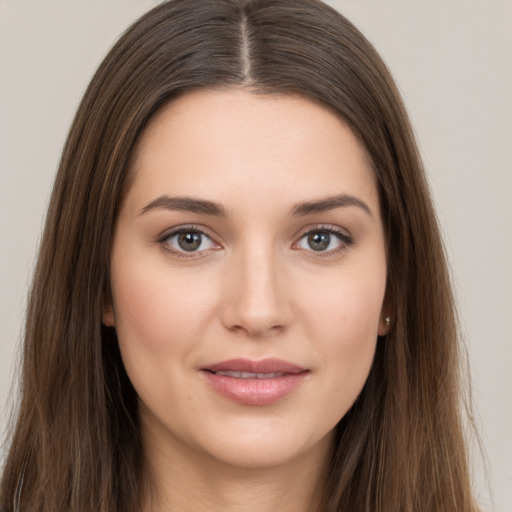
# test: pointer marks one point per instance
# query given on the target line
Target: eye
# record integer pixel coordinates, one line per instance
(187, 240)
(324, 240)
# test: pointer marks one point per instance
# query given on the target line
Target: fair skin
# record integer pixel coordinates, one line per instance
(288, 263)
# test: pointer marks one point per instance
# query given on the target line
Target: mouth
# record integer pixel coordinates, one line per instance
(255, 382)
(249, 375)
(246, 368)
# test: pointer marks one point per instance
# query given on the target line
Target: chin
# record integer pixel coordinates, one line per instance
(266, 446)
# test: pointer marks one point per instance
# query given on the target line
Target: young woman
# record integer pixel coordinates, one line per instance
(241, 300)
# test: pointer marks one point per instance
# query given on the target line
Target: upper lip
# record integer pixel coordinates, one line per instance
(270, 365)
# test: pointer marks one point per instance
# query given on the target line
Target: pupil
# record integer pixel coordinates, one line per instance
(319, 241)
(189, 241)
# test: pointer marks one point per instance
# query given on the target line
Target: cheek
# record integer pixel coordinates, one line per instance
(344, 320)
(157, 310)
(159, 318)
(347, 306)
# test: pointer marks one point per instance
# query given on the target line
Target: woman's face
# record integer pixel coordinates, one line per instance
(248, 277)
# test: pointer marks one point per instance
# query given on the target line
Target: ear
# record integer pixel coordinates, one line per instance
(107, 314)
(386, 315)
(384, 324)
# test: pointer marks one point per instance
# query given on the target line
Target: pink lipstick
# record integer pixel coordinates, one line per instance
(255, 382)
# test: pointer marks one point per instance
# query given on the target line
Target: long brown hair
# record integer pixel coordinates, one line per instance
(75, 445)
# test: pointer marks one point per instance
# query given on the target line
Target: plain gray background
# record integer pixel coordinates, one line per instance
(453, 63)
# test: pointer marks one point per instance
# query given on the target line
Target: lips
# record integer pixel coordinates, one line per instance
(250, 375)
(254, 382)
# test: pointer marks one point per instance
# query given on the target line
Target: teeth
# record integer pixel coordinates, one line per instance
(250, 375)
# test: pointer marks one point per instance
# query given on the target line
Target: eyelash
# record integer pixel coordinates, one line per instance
(344, 239)
(164, 240)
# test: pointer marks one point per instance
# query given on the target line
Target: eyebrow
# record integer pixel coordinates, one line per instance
(202, 206)
(186, 204)
(330, 203)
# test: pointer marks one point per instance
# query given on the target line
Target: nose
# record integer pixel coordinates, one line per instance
(256, 299)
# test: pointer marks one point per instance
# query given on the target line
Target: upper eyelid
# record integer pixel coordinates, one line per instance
(163, 240)
(330, 229)
(344, 233)
(345, 240)
(179, 253)
(184, 228)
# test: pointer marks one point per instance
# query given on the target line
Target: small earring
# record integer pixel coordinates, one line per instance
(384, 330)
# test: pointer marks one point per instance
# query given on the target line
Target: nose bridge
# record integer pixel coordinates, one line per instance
(257, 301)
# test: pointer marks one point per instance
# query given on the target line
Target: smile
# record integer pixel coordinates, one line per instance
(249, 375)
(255, 382)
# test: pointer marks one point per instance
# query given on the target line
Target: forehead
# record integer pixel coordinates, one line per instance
(242, 143)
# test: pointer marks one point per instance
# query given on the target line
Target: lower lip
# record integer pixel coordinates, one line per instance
(255, 391)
